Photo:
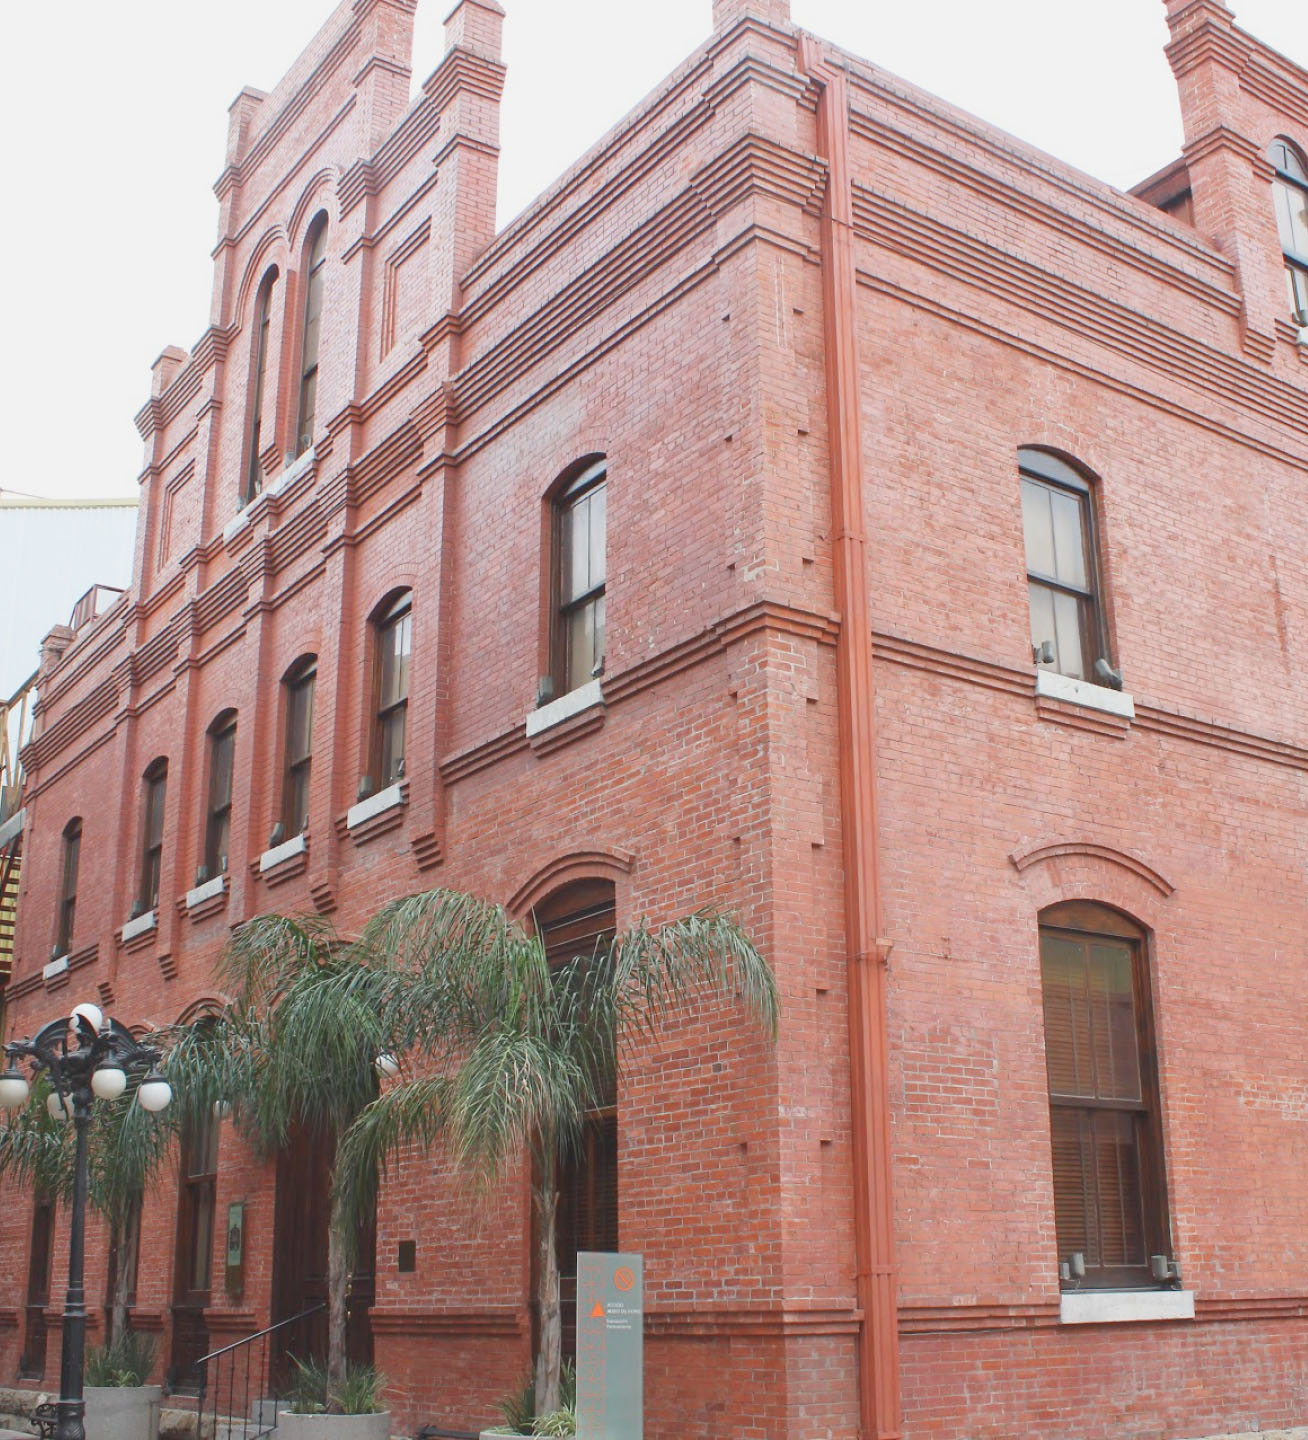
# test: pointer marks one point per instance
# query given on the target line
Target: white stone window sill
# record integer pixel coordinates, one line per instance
(293, 471)
(296, 845)
(1080, 692)
(1099, 1307)
(57, 966)
(377, 804)
(207, 891)
(241, 520)
(140, 926)
(565, 707)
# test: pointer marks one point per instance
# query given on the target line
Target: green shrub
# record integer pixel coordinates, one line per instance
(557, 1422)
(126, 1361)
(519, 1406)
(358, 1394)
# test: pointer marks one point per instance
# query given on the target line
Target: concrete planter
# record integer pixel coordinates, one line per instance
(123, 1412)
(333, 1427)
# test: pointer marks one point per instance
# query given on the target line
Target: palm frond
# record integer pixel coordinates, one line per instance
(649, 971)
(410, 1113)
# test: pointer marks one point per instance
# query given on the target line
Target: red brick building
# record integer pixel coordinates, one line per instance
(819, 504)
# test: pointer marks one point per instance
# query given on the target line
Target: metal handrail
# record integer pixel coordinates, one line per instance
(261, 1377)
(259, 1334)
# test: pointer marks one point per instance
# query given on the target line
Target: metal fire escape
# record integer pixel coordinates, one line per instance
(15, 731)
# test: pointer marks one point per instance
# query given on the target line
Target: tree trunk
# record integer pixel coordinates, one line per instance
(126, 1237)
(549, 1361)
(338, 1282)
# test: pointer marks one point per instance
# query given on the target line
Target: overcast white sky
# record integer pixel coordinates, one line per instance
(116, 117)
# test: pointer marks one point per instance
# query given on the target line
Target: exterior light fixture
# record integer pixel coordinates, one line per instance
(386, 1065)
(87, 1056)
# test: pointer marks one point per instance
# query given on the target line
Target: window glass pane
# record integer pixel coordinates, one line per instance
(299, 718)
(577, 551)
(72, 854)
(1042, 619)
(1068, 643)
(597, 524)
(1067, 1016)
(297, 799)
(1116, 1045)
(1072, 1181)
(597, 635)
(220, 776)
(1037, 526)
(1069, 539)
(392, 746)
(1292, 219)
(394, 647)
(155, 810)
(1297, 283)
(1120, 1202)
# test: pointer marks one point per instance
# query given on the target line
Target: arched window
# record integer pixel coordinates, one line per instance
(155, 791)
(1290, 192)
(315, 260)
(393, 643)
(575, 922)
(218, 813)
(577, 638)
(72, 850)
(1062, 571)
(262, 327)
(1110, 1204)
(298, 686)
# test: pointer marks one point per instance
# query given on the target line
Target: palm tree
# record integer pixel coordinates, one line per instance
(289, 1052)
(512, 1054)
(126, 1147)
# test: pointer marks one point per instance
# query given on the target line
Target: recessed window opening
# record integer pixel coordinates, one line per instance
(1110, 1209)
(1067, 631)
(394, 641)
(314, 278)
(299, 685)
(1290, 196)
(218, 822)
(155, 793)
(72, 848)
(262, 329)
(580, 569)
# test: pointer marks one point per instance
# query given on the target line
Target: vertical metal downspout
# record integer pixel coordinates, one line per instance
(866, 951)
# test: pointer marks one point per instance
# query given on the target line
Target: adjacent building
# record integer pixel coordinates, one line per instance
(818, 504)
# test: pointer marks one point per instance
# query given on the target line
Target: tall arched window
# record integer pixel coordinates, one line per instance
(315, 260)
(1110, 1201)
(218, 814)
(575, 922)
(299, 687)
(393, 643)
(72, 848)
(262, 328)
(1062, 569)
(1290, 191)
(579, 565)
(155, 791)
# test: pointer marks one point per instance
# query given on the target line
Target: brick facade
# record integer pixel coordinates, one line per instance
(788, 283)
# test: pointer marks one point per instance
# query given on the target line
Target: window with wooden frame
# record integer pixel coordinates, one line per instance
(218, 812)
(72, 848)
(298, 687)
(258, 384)
(577, 642)
(393, 637)
(152, 824)
(1110, 1198)
(576, 922)
(315, 263)
(1067, 626)
(1290, 196)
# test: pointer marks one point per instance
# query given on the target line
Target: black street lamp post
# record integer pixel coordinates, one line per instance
(86, 1056)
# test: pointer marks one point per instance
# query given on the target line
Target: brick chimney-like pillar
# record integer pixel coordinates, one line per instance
(727, 12)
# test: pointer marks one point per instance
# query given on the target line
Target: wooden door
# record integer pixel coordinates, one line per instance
(300, 1259)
